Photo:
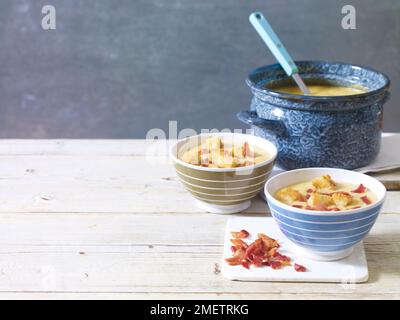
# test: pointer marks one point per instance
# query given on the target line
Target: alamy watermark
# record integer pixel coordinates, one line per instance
(158, 141)
(173, 134)
(349, 19)
(49, 19)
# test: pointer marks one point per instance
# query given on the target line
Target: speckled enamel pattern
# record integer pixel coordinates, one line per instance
(340, 132)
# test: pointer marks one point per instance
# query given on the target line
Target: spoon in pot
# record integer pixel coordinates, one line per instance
(270, 38)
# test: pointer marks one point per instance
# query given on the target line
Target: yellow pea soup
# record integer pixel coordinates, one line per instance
(318, 89)
(216, 153)
(324, 194)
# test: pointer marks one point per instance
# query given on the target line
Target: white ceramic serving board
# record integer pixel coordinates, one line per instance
(353, 269)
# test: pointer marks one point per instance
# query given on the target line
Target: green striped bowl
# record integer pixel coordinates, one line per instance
(223, 190)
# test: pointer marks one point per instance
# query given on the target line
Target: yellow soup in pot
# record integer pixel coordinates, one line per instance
(324, 194)
(319, 90)
(215, 153)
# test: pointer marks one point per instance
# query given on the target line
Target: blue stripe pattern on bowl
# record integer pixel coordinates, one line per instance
(325, 233)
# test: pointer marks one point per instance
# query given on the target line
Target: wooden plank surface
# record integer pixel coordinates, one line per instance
(108, 219)
(169, 254)
(391, 179)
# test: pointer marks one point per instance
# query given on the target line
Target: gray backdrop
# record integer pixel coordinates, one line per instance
(115, 69)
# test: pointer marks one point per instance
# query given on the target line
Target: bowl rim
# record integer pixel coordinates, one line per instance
(278, 203)
(284, 95)
(222, 134)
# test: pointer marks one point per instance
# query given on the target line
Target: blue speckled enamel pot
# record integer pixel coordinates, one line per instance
(341, 131)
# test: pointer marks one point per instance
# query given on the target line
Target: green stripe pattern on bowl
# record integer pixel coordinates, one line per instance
(223, 186)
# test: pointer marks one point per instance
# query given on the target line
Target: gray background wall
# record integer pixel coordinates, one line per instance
(115, 69)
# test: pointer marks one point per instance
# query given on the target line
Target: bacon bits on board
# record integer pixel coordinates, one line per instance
(261, 252)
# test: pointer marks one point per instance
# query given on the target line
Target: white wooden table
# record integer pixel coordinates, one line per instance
(101, 219)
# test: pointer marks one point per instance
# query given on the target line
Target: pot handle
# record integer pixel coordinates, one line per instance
(251, 118)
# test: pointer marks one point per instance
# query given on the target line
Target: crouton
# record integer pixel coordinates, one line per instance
(324, 182)
(223, 159)
(192, 156)
(341, 199)
(319, 200)
(214, 143)
(289, 195)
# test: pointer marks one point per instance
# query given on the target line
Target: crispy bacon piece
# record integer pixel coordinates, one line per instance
(284, 260)
(269, 242)
(237, 258)
(275, 264)
(246, 149)
(360, 189)
(257, 261)
(261, 252)
(239, 244)
(366, 200)
(299, 268)
(310, 190)
(320, 207)
(297, 206)
(240, 235)
(254, 248)
(272, 252)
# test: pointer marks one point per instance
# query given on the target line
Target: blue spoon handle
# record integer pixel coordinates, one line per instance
(270, 38)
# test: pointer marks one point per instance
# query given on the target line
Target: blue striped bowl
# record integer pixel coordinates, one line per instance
(323, 235)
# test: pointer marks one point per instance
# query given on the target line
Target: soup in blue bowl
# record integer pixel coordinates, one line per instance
(339, 126)
(317, 231)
